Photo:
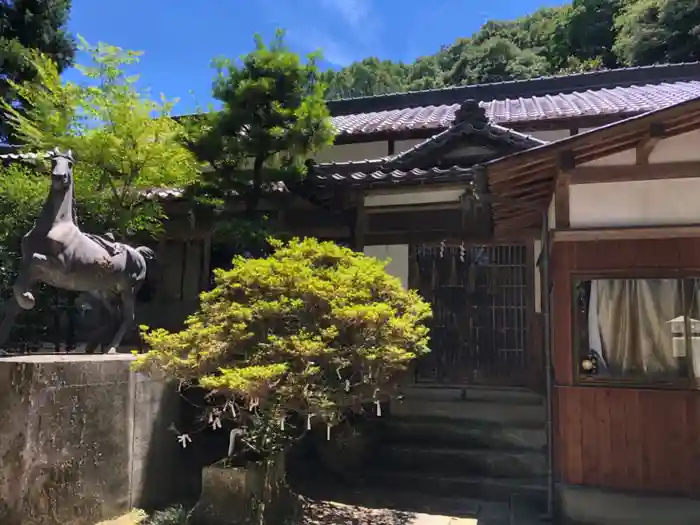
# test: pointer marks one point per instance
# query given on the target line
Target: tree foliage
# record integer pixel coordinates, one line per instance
(31, 25)
(582, 36)
(314, 330)
(123, 140)
(274, 117)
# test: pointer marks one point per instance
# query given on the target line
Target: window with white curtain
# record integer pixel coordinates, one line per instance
(645, 330)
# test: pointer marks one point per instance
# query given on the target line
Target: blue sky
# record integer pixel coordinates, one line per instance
(180, 38)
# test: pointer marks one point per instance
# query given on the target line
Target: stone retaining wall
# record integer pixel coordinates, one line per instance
(82, 439)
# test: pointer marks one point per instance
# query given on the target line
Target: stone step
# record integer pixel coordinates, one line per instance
(502, 412)
(474, 462)
(474, 487)
(463, 434)
(511, 395)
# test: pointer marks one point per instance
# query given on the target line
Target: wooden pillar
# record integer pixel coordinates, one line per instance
(360, 228)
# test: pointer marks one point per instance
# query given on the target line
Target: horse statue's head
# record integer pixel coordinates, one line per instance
(61, 169)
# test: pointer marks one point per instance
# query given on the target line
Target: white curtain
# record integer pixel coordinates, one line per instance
(628, 325)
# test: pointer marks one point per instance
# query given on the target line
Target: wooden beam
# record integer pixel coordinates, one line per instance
(647, 145)
(566, 160)
(666, 170)
(615, 234)
(561, 200)
(644, 149)
(360, 224)
(412, 207)
(418, 188)
(602, 141)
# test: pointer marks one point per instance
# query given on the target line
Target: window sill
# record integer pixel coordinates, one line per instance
(677, 384)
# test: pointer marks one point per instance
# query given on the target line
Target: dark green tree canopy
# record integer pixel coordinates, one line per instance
(274, 118)
(581, 36)
(31, 25)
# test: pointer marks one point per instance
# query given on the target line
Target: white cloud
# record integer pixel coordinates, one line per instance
(308, 28)
(334, 51)
(354, 12)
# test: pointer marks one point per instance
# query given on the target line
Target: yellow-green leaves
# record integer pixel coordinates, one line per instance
(314, 328)
(123, 140)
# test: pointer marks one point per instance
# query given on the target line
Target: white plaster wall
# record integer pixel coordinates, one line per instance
(398, 253)
(551, 213)
(402, 145)
(635, 203)
(359, 151)
(550, 135)
(363, 150)
(681, 148)
(405, 198)
(622, 158)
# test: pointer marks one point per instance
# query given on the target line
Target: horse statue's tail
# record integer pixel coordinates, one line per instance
(146, 252)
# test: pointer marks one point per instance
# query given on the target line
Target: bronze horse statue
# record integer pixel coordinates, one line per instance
(57, 253)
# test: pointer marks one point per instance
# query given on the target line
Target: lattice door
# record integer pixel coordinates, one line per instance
(479, 295)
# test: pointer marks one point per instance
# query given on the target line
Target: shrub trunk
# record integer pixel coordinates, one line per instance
(256, 494)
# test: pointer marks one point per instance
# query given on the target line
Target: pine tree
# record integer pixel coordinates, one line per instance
(31, 25)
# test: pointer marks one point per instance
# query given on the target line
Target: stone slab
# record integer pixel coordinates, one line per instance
(591, 506)
(81, 439)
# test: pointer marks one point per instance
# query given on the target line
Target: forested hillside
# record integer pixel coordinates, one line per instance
(582, 36)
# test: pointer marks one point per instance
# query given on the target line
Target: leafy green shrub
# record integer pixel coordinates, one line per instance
(312, 333)
(176, 515)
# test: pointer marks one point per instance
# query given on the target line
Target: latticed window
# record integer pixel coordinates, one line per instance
(479, 295)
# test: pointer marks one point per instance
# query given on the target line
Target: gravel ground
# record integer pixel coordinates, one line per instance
(331, 513)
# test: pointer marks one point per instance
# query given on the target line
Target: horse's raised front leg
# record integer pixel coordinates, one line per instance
(25, 279)
(128, 314)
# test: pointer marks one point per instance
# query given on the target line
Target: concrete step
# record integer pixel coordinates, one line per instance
(502, 412)
(463, 434)
(521, 396)
(470, 462)
(473, 487)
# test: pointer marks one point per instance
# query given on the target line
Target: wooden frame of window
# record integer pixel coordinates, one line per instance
(689, 381)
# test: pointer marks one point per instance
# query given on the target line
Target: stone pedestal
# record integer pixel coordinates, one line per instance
(82, 439)
(253, 495)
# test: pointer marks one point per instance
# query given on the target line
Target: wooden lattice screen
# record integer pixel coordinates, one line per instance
(479, 295)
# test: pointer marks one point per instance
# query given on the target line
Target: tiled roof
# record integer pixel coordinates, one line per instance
(367, 172)
(623, 101)
(512, 89)
(15, 155)
(466, 125)
(416, 164)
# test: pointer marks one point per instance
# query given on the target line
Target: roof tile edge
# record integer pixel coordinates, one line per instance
(558, 84)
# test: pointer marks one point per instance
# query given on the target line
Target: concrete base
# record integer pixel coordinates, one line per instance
(83, 439)
(588, 506)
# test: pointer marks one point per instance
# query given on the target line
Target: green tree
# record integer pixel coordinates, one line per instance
(312, 331)
(370, 76)
(31, 25)
(495, 60)
(658, 31)
(589, 30)
(424, 73)
(124, 141)
(274, 118)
